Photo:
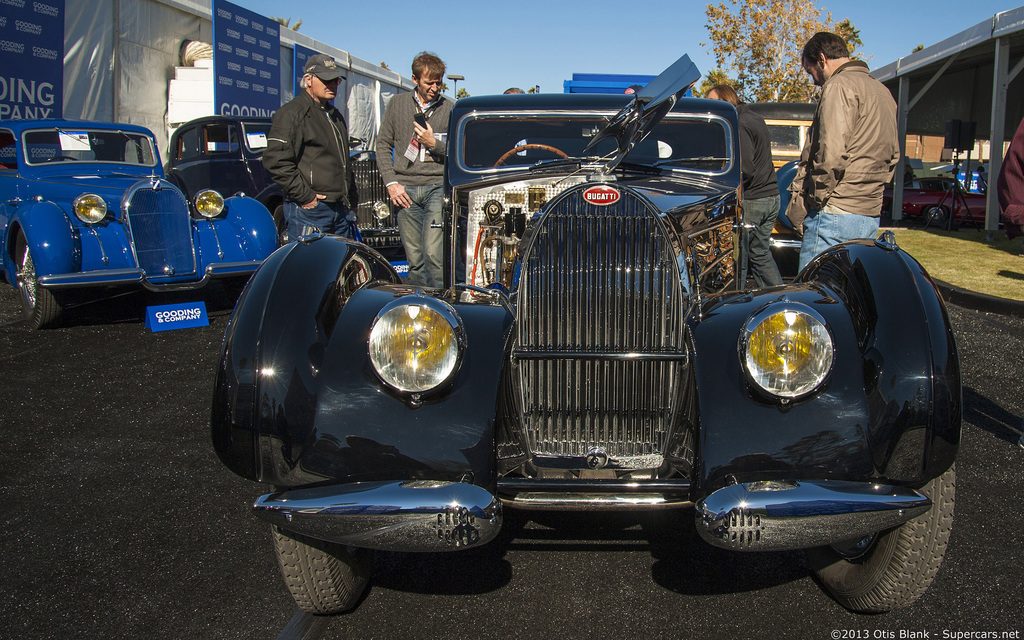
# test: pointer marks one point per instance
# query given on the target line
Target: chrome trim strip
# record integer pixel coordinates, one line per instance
(420, 515)
(216, 239)
(101, 277)
(530, 354)
(783, 515)
(547, 485)
(594, 501)
(103, 254)
(785, 242)
(92, 278)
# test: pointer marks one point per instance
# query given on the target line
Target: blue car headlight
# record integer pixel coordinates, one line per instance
(416, 344)
(209, 203)
(90, 208)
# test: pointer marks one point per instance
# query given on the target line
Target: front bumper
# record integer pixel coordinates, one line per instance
(126, 277)
(452, 516)
(421, 515)
(776, 516)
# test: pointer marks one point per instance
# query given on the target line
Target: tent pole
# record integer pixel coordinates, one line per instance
(1000, 65)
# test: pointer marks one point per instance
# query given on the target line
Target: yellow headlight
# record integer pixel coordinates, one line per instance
(209, 203)
(415, 347)
(787, 352)
(90, 208)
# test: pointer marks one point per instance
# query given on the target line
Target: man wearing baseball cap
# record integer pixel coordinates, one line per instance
(307, 155)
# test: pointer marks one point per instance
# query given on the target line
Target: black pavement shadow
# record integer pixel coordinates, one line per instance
(469, 572)
(987, 415)
(687, 565)
(113, 307)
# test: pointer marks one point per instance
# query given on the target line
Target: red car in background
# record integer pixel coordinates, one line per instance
(930, 200)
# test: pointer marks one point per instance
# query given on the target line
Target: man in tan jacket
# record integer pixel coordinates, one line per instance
(850, 154)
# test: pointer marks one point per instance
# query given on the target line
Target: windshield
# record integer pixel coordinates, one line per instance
(256, 135)
(680, 142)
(43, 146)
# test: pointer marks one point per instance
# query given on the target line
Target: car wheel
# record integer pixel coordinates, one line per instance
(282, 225)
(893, 568)
(40, 305)
(324, 578)
(936, 215)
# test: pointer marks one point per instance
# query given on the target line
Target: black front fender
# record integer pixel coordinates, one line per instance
(890, 410)
(297, 400)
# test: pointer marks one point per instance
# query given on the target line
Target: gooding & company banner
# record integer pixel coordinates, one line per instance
(246, 62)
(301, 54)
(31, 59)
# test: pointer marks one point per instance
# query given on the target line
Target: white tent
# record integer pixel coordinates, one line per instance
(120, 56)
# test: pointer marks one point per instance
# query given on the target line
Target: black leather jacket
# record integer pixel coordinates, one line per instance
(307, 152)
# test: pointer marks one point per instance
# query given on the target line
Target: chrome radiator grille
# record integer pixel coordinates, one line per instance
(600, 330)
(161, 232)
(371, 189)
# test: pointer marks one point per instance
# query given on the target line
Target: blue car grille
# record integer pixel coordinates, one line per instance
(161, 232)
(600, 339)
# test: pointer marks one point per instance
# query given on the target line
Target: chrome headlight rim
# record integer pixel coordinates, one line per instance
(208, 203)
(381, 210)
(86, 201)
(447, 313)
(755, 320)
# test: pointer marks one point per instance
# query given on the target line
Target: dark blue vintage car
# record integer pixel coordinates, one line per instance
(85, 205)
(592, 350)
(226, 153)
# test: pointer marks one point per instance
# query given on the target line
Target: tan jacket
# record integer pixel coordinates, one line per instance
(852, 147)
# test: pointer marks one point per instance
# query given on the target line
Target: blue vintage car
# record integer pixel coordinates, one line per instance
(86, 205)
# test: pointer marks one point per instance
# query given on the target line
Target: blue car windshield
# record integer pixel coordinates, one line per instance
(697, 144)
(45, 146)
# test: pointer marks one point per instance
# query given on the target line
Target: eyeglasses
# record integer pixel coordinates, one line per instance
(329, 82)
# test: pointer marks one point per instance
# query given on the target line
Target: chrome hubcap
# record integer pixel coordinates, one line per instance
(27, 278)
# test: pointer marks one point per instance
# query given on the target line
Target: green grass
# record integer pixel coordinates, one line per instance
(965, 259)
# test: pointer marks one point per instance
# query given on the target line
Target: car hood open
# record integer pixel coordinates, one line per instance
(636, 120)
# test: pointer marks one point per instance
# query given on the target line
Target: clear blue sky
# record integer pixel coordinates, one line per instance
(527, 42)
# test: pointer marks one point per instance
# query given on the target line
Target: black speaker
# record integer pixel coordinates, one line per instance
(960, 134)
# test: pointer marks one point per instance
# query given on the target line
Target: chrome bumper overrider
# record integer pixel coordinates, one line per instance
(774, 516)
(419, 515)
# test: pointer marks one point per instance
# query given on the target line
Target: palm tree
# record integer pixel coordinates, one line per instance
(287, 23)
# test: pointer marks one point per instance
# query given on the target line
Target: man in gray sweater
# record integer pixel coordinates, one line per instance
(410, 154)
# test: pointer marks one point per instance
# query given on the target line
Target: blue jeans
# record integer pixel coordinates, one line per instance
(823, 230)
(329, 217)
(423, 235)
(761, 213)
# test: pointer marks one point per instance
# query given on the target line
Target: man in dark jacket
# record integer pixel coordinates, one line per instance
(760, 191)
(307, 155)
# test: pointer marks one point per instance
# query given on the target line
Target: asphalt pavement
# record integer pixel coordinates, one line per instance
(120, 522)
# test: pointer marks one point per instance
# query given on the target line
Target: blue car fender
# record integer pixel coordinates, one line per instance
(50, 237)
(255, 225)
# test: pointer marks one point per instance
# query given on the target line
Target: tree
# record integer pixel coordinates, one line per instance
(759, 42)
(713, 78)
(384, 65)
(461, 93)
(287, 23)
(534, 89)
(917, 48)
